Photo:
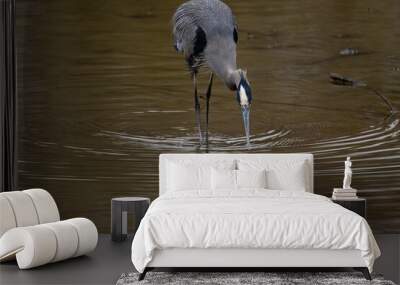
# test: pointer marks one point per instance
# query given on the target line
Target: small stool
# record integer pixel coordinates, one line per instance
(120, 207)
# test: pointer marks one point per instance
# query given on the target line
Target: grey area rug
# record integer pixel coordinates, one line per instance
(269, 278)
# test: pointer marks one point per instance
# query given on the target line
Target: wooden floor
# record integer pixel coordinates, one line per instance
(110, 260)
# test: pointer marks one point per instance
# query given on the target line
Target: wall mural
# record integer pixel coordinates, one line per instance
(102, 93)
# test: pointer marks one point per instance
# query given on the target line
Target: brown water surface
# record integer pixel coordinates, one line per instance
(102, 93)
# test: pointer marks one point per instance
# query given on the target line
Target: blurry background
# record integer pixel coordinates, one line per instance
(102, 93)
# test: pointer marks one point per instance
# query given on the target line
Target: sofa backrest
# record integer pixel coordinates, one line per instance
(26, 208)
(210, 158)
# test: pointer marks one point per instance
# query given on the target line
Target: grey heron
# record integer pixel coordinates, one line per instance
(205, 31)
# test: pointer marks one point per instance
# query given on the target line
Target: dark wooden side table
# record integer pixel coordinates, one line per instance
(357, 205)
(120, 208)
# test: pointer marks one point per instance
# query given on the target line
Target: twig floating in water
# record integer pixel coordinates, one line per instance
(338, 79)
(349, 51)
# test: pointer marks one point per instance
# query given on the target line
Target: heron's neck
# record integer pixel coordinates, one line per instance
(234, 78)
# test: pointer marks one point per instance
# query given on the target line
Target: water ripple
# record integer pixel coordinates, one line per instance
(372, 149)
(216, 142)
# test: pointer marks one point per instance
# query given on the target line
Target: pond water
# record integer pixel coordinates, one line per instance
(102, 93)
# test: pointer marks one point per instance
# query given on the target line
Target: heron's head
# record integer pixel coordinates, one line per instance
(243, 90)
(244, 98)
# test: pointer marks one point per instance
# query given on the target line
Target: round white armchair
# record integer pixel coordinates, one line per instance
(31, 230)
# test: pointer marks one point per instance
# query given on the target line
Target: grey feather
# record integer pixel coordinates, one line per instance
(215, 18)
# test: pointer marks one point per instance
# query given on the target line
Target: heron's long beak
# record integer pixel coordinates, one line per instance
(246, 121)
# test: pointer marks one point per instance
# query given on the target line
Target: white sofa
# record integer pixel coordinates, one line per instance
(31, 230)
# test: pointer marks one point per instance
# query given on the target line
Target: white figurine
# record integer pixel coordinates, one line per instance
(347, 174)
